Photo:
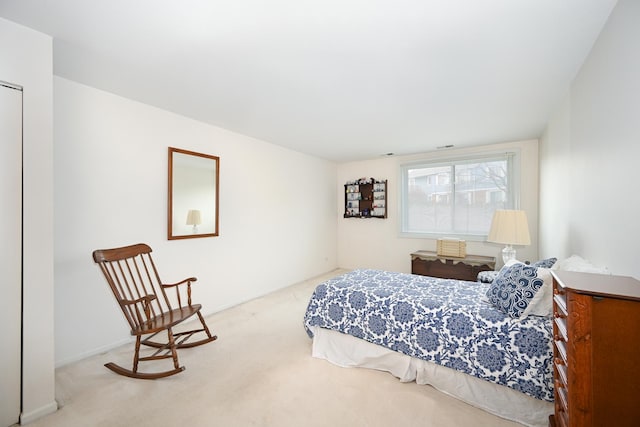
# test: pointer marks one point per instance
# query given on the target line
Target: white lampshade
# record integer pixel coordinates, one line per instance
(509, 227)
(193, 217)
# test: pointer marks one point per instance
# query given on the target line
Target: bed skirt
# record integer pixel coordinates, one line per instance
(348, 351)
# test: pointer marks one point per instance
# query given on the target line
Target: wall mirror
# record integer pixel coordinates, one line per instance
(193, 194)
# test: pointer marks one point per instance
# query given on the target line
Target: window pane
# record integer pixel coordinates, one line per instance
(430, 204)
(456, 197)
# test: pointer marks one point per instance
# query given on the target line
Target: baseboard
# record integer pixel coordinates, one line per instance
(29, 417)
(99, 350)
(210, 311)
(220, 308)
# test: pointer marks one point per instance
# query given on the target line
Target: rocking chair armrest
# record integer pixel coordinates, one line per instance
(187, 281)
(181, 294)
(147, 299)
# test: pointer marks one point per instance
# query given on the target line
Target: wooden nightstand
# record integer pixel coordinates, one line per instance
(427, 263)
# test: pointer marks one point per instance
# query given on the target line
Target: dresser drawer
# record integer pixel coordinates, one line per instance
(560, 301)
(561, 327)
(561, 369)
(560, 342)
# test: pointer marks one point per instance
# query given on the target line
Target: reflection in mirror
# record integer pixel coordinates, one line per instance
(193, 194)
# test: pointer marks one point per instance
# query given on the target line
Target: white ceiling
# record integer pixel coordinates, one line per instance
(339, 79)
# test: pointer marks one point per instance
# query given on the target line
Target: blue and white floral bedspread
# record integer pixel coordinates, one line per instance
(441, 321)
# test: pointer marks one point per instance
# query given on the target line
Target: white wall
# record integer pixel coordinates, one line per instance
(277, 212)
(592, 149)
(375, 243)
(555, 187)
(27, 61)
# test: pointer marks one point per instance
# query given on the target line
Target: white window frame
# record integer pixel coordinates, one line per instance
(513, 197)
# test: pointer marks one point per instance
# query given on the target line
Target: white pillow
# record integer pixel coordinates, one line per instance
(542, 302)
(577, 263)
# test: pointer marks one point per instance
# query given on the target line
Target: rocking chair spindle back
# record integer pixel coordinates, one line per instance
(149, 308)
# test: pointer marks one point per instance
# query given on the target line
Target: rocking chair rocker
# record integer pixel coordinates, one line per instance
(150, 307)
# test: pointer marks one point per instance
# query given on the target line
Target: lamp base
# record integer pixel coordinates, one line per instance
(508, 253)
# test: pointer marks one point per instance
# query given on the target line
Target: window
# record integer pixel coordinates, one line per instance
(456, 197)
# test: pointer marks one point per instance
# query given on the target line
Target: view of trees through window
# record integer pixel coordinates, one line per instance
(456, 197)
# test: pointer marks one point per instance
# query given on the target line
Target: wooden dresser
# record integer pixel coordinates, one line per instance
(596, 350)
(428, 263)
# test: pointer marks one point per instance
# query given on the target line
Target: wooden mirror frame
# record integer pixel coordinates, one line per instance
(178, 158)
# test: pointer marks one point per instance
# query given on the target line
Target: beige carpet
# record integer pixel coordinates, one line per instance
(258, 373)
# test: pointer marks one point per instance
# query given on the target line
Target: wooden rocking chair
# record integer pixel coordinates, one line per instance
(150, 307)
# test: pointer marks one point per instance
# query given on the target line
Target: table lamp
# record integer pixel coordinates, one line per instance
(193, 218)
(509, 227)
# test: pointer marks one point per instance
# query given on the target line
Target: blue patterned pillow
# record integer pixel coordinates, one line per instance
(514, 288)
(545, 263)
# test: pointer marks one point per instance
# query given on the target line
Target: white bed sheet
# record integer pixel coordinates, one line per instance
(348, 351)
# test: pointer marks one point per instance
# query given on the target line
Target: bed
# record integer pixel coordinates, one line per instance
(447, 333)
